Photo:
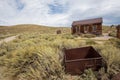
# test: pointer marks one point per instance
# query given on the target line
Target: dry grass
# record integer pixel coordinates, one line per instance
(31, 28)
(36, 56)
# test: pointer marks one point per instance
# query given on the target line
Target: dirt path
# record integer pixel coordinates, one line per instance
(1, 68)
(8, 39)
(104, 37)
(99, 40)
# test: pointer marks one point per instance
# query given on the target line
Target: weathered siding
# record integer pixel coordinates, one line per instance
(87, 26)
(118, 31)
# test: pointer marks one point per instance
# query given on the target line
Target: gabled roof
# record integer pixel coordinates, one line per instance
(88, 21)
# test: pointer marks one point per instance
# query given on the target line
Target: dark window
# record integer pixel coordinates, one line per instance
(94, 28)
(86, 29)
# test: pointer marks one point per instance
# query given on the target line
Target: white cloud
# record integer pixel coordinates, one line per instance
(39, 12)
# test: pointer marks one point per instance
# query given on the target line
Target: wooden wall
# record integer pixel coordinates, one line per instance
(81, 29)
(118, 32)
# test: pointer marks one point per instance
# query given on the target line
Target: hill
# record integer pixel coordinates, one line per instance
(31, 28)
(6, 31)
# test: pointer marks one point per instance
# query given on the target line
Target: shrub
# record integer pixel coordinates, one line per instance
(88, 35)
(113, 34)
(89, 75)
(40, 57)
(114, 42)
(68, 36)
(90, 42)
(111, 55)
(33, 63)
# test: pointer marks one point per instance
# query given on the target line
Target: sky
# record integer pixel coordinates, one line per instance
(58, 12)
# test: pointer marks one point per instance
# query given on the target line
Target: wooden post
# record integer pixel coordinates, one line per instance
(75, 29)
(91, 28)
(79, 29)
(118, 31)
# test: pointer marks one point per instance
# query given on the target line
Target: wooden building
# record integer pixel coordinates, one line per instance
(78, 59)
(118, 31)
(92, 26)
(58, 32)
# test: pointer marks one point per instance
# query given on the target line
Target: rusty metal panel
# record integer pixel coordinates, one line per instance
(78, 59)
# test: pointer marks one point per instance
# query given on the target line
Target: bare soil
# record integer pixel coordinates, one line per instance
(8, 39)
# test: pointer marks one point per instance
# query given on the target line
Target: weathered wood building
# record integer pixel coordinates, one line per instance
(118, 31)
(92, 26)
(78, 59)
(58, 31)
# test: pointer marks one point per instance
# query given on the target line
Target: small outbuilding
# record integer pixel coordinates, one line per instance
(58, 32)
(76, 60)
(92, 26)
(118, 31)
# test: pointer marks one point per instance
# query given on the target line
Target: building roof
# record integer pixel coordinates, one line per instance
(88, 21)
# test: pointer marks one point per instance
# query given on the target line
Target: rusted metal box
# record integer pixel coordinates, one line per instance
(78, 59)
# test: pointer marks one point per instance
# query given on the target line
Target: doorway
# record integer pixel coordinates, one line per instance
(86, 29)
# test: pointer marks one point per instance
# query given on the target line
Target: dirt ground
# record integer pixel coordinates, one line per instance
(2, 77)
(99, 40)
(104, 37)
(8, 39)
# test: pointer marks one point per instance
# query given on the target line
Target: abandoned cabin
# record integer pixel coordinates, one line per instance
(92, 26)
(118, 31)
(76, 60)
(58, 32)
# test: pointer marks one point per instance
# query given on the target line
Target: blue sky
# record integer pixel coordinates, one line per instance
(19, 5)
(57, 12)
(56, 8)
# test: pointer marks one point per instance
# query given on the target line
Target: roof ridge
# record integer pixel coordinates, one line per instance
(88, 21)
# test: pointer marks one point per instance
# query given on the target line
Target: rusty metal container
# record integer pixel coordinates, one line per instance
(78, 59)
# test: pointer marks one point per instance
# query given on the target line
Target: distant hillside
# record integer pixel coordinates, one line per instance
(31, 28)
(41, 29)
(107, 29)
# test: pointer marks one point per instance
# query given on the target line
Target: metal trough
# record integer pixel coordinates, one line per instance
(78, 59)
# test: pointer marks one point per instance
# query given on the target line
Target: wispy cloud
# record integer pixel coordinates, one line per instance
(57, 12)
